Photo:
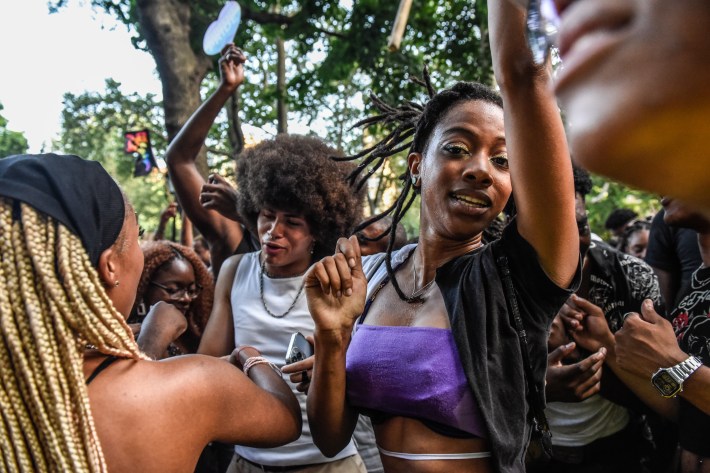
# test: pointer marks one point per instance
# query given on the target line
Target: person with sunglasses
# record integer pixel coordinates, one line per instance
(174, 275)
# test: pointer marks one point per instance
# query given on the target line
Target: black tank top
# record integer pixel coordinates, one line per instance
(102, 366)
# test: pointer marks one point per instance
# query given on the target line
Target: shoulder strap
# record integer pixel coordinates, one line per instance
(535, 397)
(379, 258)
(102, 366)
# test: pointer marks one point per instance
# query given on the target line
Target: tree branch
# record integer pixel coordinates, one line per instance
(266, 17)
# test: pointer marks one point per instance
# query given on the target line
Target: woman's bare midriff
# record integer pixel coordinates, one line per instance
(407, 435)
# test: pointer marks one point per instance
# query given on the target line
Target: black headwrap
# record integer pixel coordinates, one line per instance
(78, 193)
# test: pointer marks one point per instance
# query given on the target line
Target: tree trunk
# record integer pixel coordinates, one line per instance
(165, 26)
(236, 135)
(281, 105)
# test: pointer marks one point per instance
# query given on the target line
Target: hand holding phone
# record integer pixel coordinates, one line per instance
(299, 361)
(298, 348)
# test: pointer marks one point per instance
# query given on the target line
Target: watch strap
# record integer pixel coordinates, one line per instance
(684, 369)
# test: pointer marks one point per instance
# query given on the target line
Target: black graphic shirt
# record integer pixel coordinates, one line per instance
(691, 321)
(619, 283)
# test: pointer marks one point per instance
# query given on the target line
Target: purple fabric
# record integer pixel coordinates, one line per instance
(411, 372)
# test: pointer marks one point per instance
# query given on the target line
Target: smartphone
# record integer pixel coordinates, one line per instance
(298, 348)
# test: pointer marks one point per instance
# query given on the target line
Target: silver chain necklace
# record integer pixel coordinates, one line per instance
(417, 293)
(263, 301)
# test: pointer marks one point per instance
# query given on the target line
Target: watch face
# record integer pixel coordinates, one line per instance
(666, 385)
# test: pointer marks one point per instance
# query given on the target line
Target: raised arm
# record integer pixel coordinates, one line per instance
(165, 216)
(336, 288)
(222, 234)
(540, 164)
(257, 409)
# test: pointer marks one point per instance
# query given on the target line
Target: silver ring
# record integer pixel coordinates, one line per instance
(623, 317)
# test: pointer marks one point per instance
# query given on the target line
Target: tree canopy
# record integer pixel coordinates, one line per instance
(11, 142)
(335, 53)
(93, 124)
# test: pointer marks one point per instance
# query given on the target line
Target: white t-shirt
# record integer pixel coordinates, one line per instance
(574, 424)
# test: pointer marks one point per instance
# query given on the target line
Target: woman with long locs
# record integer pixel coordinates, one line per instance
(449, 349)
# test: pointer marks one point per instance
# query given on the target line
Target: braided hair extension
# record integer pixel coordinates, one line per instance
(52, 303)
(413, 124)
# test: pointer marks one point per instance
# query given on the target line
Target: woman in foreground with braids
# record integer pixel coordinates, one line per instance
(76, 393)
(436, 360)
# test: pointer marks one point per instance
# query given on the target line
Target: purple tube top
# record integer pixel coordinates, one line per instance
(411, 372)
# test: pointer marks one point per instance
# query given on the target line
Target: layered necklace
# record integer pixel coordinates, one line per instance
(263, 301)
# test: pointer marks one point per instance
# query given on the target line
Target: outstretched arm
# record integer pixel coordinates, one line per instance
(222, 234)
(256, 409)
(335, 288)
(540, 164)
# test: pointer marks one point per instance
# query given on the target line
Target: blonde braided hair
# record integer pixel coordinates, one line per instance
(52, 304)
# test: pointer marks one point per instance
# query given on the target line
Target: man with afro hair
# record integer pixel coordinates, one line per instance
(296, 173)
(296, 199)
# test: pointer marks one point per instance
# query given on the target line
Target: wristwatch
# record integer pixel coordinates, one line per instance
(669, 381)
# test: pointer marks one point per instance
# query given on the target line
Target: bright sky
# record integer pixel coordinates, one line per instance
(44, 56)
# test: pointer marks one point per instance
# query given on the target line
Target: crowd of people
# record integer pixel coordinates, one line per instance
(504, 337)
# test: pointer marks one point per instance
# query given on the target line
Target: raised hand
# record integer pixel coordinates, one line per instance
(336, 288)
(169, 212)
(647, 342)
(219, 195)
(231, 66)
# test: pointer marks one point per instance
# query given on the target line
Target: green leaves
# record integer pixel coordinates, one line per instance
(11, 142)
